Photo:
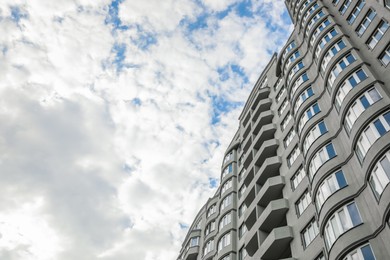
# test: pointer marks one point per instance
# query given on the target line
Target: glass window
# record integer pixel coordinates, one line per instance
(324, 40)
(380, 176)
(285, 121)
(309, 113)
(297, 178)
(351, 82)
(242, 230)
(290, 136)
(228, 169)
(361, 253)
(226, 201)
(345, 6)
(313, 20)
(280, 94)
(385, 56)
(210, 228)
(242, 254)
(356, 11)
(336, 48)
(226, 219)
(293, 156)
(308, 92)
(224, 242)
(228, 157)
(299, 81)
(309, 233)
(366, 22)
(340, 222)
(242, 209)
(303, 202)
(378, 34)
(208, 247)
(211, 210)
(227, 185)
(339, 67)
(377, 128)
(294, 70)
(318, 30)
(326, 153)
(314, 133)
(194, 241)
(282, 107)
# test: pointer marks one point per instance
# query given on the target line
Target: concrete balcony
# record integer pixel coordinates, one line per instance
(262, 106)
(262, 93)
(247, 143)
(274, 215)
(247, 159)
(250, 216)
(264, 118)
(267, 149)
(276, 244)
(266, 132)
(251, 242)
(271, 190)
(269, 168)
(192, 253)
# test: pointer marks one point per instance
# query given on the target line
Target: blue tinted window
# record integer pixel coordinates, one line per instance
(230, 168)
(364, 101)
(352, 81)
(350, 58)
(334, 51)
(327, 22)
(341, 179)
(333, 32)
(341, 44)
(379, 126)
(330, 150)
(342, 64)
(297, 54)
(367, 253)
(305, 77)
(316, 108)
(309, 114)
(353, 212)
(387, 117)
(361, 75)
(311, 93)
(322, 127)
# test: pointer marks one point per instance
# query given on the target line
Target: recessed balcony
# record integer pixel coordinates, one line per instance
(268, 169)
(267, 149)
(274, 215)
(263, 105)
(271, 190)
(277, 244)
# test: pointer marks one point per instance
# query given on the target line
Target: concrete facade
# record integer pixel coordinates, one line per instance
(306, 175)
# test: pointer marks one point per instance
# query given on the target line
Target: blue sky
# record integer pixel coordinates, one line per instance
(115, 118)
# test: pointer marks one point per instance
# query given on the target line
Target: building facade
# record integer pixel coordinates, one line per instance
(306, 175)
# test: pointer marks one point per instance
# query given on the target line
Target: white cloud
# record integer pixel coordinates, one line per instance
(108, 162)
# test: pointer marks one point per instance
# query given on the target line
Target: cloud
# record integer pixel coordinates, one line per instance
(115, 119)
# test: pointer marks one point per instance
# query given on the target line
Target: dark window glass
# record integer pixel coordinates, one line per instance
(365, 102)
(341, 179)
(330, 150)
(367, 253)
(353, 212)
(379, 126)
(362, 75)
(322, 127)
(387, 117)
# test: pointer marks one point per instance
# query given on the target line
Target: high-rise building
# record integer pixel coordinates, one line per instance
(306, 175)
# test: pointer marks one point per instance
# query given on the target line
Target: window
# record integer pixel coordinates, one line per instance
(351, 82)
(303, 202)
(378, 34)
(208, 247)
(345, 6)
(324, 40)
(211, 210)
(363, 102)
(385, 56)
(242, 254)
(242, 209)
(387, 3)
(289, 48)
(227, 185)
(342, 220)
(228, 157)
(290, 136)
(199, 224)
(326, 153)
(303, 8)
(380, 175)
(335, 2)
(210, 228)
(339, 67)
(226, 257)
(282, 107)
(297, 178)
(224, 242)
(242, 230)
(361, 253)
(226, 201)
(263, 83)
(241, 190)
(291, 59)
(226, 219)
(356, 11)
(308, 92)
(242, 173)
(313, 20)
(228, 169)
(293, 156)
(285, 121)
(194, 241)
(377, 128)
(309, 12)
(280, 94)
(336, 48)
(299, 81)
(309, 113)
(330, 185)
(309, 233)
(294, 70)
(366, 22)
(318, 30)
(315, 132)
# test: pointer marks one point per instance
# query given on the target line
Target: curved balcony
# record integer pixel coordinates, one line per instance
(274, 215)
(263, 119)
(271, 190)
(276, 244)
(263, 105)
(269, 168)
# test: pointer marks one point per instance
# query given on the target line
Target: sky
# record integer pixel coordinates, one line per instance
(115, 116)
